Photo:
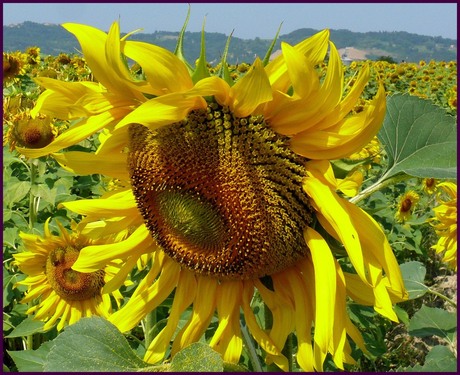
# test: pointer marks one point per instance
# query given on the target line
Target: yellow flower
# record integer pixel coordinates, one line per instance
(12, 66)
(429, 185)
(59, 291)
(228, 187)
(30, 132)
(446, 226)
(406, 206)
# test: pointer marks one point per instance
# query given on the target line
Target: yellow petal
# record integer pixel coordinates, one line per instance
(96, 257)
(117, 281)
(304, 300)
(203, 310)
(76, 133)
(334, 215)
(250, 91)
(325, 285)
(60, 98)
(83, 163)
(301, 74)
(165, 72)
(314, 48)
(350, 185)
(148, 296)
(345, 138)
(163, 110)
(227, 338)
(121, 204)
(102, 55)
(281, 306)
(299, 113)
(347, 104)
(264, 340)
(183, 297)
(374, 241)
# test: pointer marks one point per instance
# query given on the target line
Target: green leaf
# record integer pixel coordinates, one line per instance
(31, 360)
(402, 314)
(14, 192)
(420, 138)
(197, 357)
(439, 359)
(413, 274)
(431, 321)
(342, 167)
(27, 327)
(92, 344)
(9, 291)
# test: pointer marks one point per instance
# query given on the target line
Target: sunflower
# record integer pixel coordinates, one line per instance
(430, 185)
(406, 206)
(13, 65)
(59, 291)
(230, 190)
(25, 131)
(446, 224)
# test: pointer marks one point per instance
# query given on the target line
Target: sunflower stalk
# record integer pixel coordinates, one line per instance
(379, 185)
(149, 327)
(443, 297)
(33, 208)
(249, 343)
(33, 200)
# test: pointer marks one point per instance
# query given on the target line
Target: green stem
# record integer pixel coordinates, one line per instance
(149, 327)
(380, 184)
(30, 342)
(32, 198)
(442, 296)
(247, 339)
(32, 219)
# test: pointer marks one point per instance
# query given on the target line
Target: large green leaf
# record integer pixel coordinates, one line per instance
(31, 360)
(429, 321)
(439, 359)
(197, 357)
(92, 344)
(27, 327)
(419, 138)
(413, 274)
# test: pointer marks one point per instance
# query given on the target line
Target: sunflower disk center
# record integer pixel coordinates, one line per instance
(67, 283)
(222, 195)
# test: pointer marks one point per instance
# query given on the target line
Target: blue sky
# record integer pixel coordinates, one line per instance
(247, 20)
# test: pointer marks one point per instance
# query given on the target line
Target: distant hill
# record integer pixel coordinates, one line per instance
(53, 39)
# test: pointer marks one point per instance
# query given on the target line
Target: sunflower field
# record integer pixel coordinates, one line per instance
(135, 303)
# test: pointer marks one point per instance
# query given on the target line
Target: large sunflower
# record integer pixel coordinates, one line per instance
(56, 291)
(229, 188)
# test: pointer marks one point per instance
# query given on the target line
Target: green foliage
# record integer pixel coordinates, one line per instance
(414, 278)
(419, 139)
(388, 59)
(430, 321)
(439, 359)
(197, 357)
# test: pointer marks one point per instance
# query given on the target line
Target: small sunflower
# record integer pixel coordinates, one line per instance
(59, 291)
(228, 187)
(25, 131)
(446, 224)
(430, 185)
(406, 206)
(13, 65)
